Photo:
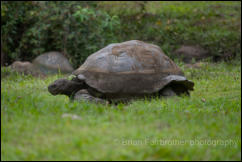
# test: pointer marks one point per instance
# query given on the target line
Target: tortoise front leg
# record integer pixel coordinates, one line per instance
(83, 95)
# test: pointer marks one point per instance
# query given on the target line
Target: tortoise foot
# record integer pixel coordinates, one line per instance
(83, 95)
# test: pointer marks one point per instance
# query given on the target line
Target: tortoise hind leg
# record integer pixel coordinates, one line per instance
(167, 91)
(180, 89)
(175, 89)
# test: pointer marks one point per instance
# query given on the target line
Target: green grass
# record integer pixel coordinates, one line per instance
(32, 126)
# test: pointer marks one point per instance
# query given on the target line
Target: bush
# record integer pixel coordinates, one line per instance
(78, 29)
(74, 29)
(216, 26)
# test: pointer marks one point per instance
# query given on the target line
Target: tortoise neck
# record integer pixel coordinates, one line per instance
(71, 87)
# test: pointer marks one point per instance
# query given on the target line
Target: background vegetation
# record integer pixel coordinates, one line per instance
(80, 28)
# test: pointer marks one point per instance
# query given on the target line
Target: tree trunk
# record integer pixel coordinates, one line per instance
(2, 58)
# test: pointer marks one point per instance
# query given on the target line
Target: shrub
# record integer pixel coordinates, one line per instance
(74, 29)
(77, 29)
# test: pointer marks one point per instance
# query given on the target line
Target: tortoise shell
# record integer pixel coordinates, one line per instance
(130, 68)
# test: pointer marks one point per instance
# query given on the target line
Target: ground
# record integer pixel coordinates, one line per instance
(205, 126)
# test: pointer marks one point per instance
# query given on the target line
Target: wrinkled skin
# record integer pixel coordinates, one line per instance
(65, 87)
(75, 89)
(84, 95)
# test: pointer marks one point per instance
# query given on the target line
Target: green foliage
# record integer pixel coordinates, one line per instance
(80, 28)
(216, 26)
(33, 126)
(13, 23)
(71, 27)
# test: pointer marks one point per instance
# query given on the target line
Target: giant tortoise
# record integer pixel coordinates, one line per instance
(124, 71)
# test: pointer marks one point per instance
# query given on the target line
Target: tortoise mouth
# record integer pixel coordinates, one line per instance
(57, 86)
(65, 87)
(53, 89)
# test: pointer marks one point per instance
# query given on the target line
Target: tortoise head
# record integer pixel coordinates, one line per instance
(58, 86)
(65, 87)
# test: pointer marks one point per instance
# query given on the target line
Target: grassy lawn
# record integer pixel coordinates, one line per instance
(204, 126)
